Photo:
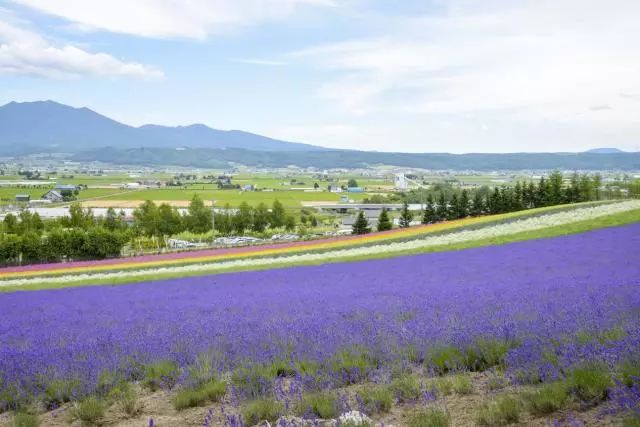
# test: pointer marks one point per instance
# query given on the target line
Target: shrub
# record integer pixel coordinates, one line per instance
(547, 399)
(211, 391)
(255, 380)
(353, 365)
(462, 384)
(486, 353)
(60, 391)
(501, 412)
(630, 372)
(262, 410)
(442, 385)
(25, 419)
(590, 382)
(89, 411)
(376, 399)
(321, 404)
(160, 374)
(444, 359)
(430, 417)
(631, 421)
(406, 389)
(126, 397)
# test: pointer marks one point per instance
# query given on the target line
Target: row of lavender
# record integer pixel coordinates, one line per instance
(539, 298)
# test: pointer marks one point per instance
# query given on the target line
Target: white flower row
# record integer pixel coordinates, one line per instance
(490, 231)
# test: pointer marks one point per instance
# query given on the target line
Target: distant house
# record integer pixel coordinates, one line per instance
(53, 196)
(355, 190)
(248, 187)
(132, 185)
(23, 198)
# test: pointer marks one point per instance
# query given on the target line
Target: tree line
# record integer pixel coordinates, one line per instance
(449, 204)
(27, 239)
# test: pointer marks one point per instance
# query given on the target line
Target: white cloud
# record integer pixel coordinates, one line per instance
(531, 60)
(168, 18)
(24, 52)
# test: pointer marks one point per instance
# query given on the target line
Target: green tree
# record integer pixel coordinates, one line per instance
(80, 218)
(147, 218)
(361, 225)
(31, 247)
(442, 210)
(170, 220)
(290, 223)
(477, 206)
(277, 215)
(199, 218)
(10, 248)
(428, 213)
(384, 223)
(352, 183)
(463, 204)
(405, 216)
(243, 219)
(260, 218)
(555, 188)
(10, 223)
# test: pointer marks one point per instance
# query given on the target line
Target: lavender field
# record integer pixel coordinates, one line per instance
(537, 309)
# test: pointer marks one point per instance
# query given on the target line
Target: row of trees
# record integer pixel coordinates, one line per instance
(164, 220)
(26, 238)
(451, 205)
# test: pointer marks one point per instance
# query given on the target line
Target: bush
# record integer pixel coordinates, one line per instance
(262, 410)
(353, 365)
(590, 382)
(60, 391)
(430, 417)
(486, 353)
(322, 405)
(211, 391)
(547, 399)
(376, 399)
(501, 412)
(125, 396)
(630, 372)
(254, 380)
(25, 419)
(160, 374)
(89, 411)
(442, 385)
(462, 384)
(445, 358)
(406, 389)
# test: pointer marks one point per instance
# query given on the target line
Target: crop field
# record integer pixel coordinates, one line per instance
(527, 318)
(532, 314)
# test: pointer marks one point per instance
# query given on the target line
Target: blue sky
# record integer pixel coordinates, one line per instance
(420, 76)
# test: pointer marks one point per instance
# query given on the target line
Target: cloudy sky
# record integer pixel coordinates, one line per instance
(421, 76)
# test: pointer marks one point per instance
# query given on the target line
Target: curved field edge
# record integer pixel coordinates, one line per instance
(613, 220)
(313, 246)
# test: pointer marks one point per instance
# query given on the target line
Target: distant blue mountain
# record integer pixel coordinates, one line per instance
(51, 126)
(605, 150)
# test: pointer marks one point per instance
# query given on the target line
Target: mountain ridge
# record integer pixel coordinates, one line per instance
(49, 125)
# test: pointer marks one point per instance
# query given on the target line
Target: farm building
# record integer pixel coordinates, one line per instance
(355, 190)
(53, 196)
(23, 198)
(65, 187)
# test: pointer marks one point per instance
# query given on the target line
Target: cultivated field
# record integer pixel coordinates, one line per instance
(515, 329)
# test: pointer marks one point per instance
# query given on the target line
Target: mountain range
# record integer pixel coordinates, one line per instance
(47, 126)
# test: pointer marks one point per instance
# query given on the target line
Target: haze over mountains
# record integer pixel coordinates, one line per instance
(47, 126)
